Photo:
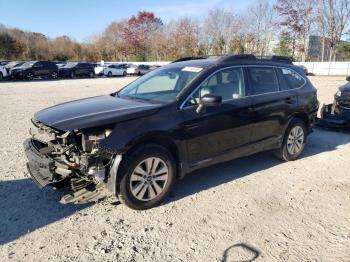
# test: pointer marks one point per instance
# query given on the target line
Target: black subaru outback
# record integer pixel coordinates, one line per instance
(181, 117)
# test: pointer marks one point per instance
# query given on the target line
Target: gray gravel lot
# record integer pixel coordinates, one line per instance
(255, 207)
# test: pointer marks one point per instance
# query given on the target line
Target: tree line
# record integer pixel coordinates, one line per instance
(283, 27)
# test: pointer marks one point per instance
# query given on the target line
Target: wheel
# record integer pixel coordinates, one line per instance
(293, 142)
(1, 76)
(72, 74)
(91, 74)
(30, 76)
(109, 74)
(124, 73)
(148, 175)
(54, 75)
(139, 73)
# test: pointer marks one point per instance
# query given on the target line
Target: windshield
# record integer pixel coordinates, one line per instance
(161, 85)
(28, 64)
(69, 65)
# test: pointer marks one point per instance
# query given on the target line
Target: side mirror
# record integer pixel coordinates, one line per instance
(208, 101)
(348, 78)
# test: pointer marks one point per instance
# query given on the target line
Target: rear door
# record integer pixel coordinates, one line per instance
(273, 103)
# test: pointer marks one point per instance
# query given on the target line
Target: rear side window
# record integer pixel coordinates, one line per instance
(263, 79)
(292, 78)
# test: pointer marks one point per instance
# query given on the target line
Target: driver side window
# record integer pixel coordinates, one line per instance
(228, 83)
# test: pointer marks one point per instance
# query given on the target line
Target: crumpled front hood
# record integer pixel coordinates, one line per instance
(93, 112)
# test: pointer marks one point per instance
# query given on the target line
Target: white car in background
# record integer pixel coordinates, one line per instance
(98, 69)
(3, 72)
(115, 70)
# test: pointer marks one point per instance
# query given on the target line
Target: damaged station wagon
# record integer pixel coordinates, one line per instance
(187, 115)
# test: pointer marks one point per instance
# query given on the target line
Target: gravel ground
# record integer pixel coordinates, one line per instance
(254, 207)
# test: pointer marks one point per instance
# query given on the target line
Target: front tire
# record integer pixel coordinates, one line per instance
(1, 76)
(54, 75)
(125, 73)
(293, 142)
(109, 74)
(30, 76)
(72, 75)
(148, 175)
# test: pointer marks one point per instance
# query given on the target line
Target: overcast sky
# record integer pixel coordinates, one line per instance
(80, 19)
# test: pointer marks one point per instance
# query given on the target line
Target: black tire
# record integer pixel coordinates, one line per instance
(283, 153)
(128, 165)
(125, 73)
(54, 75)
(29, 76)
(72, 74)
(109, 74)
(1, 76)
(139, 73)
(91, 74)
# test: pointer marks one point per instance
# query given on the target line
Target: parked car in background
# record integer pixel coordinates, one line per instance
(305, 69)
(75, 69)
(4, 62)
(138, 69)
(126, 144)
(3, 72)
(98, 69)
(13, 64)
(33, 69)
(115, 70)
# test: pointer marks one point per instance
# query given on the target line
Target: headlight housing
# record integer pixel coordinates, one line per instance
(91, 138)
(338, 93)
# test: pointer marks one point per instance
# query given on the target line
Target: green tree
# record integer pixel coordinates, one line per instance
(284, 46)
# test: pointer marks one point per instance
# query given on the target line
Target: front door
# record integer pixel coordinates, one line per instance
(220, 130)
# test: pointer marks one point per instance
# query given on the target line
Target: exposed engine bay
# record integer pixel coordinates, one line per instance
(70, 161)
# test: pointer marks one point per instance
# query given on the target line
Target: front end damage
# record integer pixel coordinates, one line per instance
(337, 115)
(71, 161)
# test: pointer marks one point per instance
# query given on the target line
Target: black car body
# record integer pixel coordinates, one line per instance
(176, 119)
(337, 114)
(75, 69)
(34, 69)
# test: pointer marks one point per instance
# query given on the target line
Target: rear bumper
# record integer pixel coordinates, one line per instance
(40, 168)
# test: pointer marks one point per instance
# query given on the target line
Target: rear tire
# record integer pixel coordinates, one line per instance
(124, 74)
(109, 74)
(148, 175)
(91, 74)
(294, 141)
(72, 75)
(1, 76)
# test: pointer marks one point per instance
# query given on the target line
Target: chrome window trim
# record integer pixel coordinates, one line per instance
(242, 66)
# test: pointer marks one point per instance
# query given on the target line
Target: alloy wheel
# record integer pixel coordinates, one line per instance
(295, 140)
(149, 178)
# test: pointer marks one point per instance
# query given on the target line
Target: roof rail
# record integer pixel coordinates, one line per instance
(188, 58)
(274, 58)
(282, 59)
(232, 58)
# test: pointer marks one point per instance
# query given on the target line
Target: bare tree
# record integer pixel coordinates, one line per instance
(260, 23)
(335, 15)
(296, 19)
(218, 30)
